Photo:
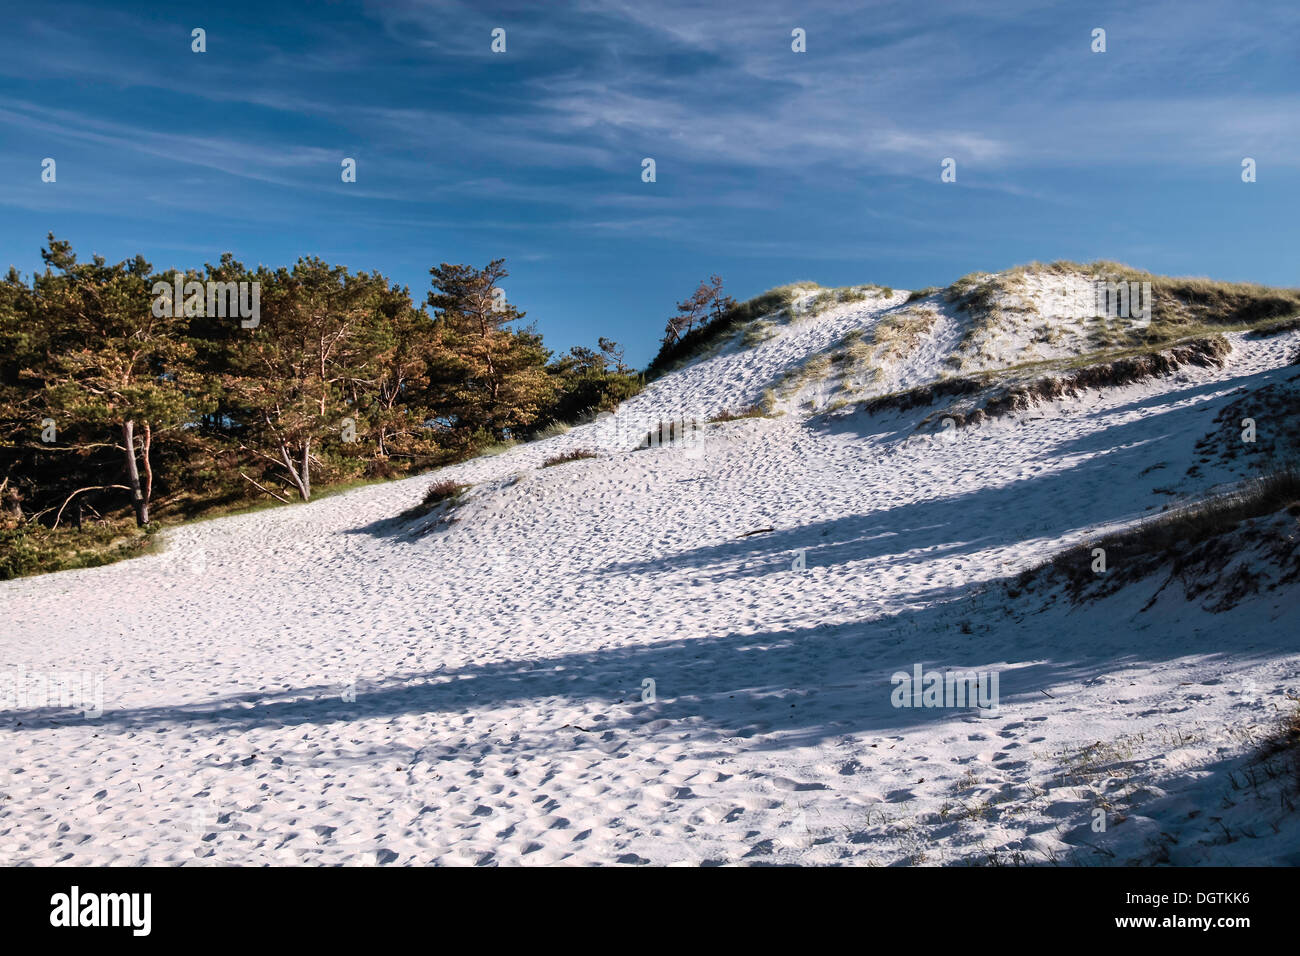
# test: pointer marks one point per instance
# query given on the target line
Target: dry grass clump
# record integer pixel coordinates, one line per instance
(437, 493)
(553, 429)
(576, 454)
(1198, 540)
(1284, 741)
(813, 369)
(926, 394)
(442, 490)
(667, 432)
(988, 299)
(1276, 327)
(1118, 372)
(861, 351)
(898, 333)
(759, 332)
(829, 298)
(967, 286)
(1182, 305)
(754, 411)
(1006, 397)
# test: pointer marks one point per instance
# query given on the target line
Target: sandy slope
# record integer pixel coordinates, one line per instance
(498, 662)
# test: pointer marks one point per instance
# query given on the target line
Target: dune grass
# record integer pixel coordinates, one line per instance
(700, 340)
(895, 335)
(443, 490)
(757, 333)
(1179, 537)
(576, 454)
(552, 430)
(1181, 307)
(754, 411)
(829, 298)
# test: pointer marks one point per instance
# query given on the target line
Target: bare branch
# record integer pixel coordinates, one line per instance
(267, 490)
(59, 516)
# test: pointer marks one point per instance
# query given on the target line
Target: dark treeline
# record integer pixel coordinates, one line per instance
(123, 403)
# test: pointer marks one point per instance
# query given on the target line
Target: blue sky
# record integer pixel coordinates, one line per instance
(772, 166)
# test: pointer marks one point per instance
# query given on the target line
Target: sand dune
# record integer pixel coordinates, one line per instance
(328, 684)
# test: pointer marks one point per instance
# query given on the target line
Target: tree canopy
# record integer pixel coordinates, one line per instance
(117, 404)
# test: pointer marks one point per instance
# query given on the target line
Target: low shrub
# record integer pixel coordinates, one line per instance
(729, 416)
(577, 454)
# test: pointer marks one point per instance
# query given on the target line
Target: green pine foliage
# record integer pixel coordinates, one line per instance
(118, 416)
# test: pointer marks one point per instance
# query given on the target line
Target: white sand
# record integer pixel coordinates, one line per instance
(499, 661)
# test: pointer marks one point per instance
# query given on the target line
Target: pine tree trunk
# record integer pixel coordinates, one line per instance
(301, 479)
(302, 482)
(138, 500)
(145, 459)
(306, 470)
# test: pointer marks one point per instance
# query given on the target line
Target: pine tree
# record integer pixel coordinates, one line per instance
(485, 377)
(613, 352)
(21, 346)
(115, 365)
(719, 304)
(300, 373)
(707, 301)
(397, 406)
